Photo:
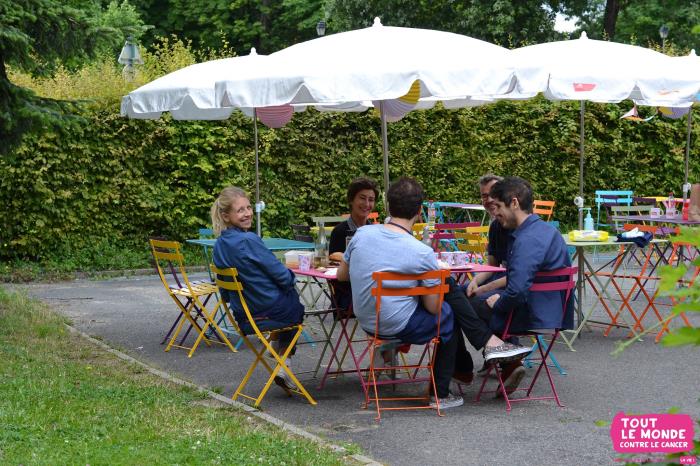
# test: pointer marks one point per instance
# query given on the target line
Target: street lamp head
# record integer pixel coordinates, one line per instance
(129, 57)
(321, 28)
(663, 31)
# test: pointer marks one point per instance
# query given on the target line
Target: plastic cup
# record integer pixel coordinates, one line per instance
(460, 258)
(448, 258)
(304, 262)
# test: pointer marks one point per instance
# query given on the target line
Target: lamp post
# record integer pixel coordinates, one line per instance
(321, 28)
(129, 57)
(663, 33)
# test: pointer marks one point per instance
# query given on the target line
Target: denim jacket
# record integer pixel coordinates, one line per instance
(265, 280)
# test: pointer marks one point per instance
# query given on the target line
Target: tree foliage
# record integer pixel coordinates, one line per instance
(36, 36)
(504, 22)
(637, 21)
(264, 24)
(123, 180)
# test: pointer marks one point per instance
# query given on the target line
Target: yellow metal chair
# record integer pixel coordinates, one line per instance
(472, 244)
(475, 242)
(418, 230)
(227, 279)
(191, 297)
(482, 231)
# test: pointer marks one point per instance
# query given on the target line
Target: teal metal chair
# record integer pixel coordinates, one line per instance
(606, 199)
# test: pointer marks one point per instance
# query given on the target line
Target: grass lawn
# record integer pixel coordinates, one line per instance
(65, 401)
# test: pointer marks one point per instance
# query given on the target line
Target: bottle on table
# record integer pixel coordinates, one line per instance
(321, 247)
(426, 236)
(431, 213)
(670, 206)
(588, 224)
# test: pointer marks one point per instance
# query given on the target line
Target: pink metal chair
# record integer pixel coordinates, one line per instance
(564, 287)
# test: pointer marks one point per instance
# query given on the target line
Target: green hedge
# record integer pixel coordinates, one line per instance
(112, 179)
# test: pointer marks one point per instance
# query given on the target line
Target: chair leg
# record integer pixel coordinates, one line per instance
(209, 322)
(185, 310)
(529, 362)
(280, 365)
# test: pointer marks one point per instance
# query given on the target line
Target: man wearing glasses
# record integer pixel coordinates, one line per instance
(486, 284)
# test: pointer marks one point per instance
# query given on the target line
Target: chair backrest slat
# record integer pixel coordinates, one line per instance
(545, 209)
(382, 290)
(415, 291)
(567, 285)
(455, 226)
(237, 286)
(168, 253)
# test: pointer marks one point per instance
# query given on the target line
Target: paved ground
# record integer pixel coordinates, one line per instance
(133, 314)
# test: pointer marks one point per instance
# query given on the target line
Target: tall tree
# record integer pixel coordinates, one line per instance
(505, 22)
(35, 36)
(636, 21)
(267, 25)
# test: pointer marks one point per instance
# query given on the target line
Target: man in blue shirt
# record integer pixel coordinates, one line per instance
(535, 246)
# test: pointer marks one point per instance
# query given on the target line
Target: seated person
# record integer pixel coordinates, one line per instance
(487, 283)
(268, 286)
(535, 246)
(392, 247)
(362, 194)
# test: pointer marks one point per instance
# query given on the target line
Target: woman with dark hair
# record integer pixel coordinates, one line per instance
(362, 194)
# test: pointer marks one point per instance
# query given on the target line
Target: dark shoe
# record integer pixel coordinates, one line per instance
(463, 378)
(505, 352)
(512, 374)
(484, 370)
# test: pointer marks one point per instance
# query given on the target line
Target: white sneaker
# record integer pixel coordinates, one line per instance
(450, 401)
(283, 380)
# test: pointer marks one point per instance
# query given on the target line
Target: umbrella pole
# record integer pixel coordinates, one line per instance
(687, 150)
(385, 150)
(580, 170)
(257, 173)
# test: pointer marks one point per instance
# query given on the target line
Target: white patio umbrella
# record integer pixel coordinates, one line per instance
(599, 71)
(188, 94)
(688, 65)
(396, 68)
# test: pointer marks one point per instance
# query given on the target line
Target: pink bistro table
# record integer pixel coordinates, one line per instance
(322, 277)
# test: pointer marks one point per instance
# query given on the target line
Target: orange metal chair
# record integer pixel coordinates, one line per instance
(544, 282)
(648, 262)
(544, 209)
(376, 343)
(191, 297)
(227, 279)
(676, 257)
